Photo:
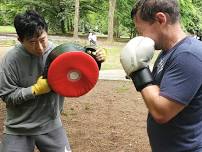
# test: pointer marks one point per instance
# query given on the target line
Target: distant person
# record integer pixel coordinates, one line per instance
(33, 110)
(89, 36)
(92, 38)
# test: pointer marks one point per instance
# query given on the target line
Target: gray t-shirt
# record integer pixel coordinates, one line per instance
(27, 114)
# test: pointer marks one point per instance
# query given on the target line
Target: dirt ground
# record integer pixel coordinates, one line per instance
(110, 118)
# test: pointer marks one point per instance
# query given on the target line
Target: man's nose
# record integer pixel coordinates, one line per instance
(39, 47)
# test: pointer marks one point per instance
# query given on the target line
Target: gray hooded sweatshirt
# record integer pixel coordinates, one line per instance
(27, 114)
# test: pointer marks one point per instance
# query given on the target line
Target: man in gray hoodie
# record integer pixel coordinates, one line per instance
(33, 110)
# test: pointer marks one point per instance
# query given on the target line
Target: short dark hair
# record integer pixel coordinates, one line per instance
(148, 9)
(30, 24)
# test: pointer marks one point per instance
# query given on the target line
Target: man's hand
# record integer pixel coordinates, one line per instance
(134, 59)
(98, 53)
(101, 54)
(40, 87)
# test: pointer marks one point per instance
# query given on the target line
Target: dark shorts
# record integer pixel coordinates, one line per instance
(54, 141)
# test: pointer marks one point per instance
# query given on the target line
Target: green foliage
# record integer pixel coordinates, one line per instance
(8, 10)
(191, 16)
(96, 17)
(126, 26)
(55, 12)
(198, 5)
(93, 15)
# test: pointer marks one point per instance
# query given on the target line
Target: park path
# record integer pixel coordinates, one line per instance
(115, 74)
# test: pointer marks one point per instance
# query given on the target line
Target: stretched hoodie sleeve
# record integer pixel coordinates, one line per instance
(10, 92)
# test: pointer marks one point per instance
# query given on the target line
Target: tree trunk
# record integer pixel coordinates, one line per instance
(70, 22)
(112, 5)
(116, 28)
(76, 19)
(63, 29)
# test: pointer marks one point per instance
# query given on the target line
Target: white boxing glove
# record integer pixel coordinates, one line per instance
(136, 54)
(134, 59)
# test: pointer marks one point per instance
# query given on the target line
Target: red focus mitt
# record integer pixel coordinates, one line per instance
(72, 72)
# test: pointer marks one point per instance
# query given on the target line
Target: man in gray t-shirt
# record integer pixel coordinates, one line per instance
(33, 110)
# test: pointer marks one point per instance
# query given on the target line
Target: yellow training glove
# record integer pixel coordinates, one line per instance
(41, 87)
(101, 54)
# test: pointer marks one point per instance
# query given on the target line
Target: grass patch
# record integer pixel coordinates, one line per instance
(69, 112)
(7, 42)
(87, 106)
(122, 89)
(113, 59)
(7, 29)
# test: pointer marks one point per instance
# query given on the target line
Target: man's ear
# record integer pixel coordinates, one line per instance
(161, 17)
(20, 40)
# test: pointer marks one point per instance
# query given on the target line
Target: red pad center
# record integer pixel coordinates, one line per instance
(73, 74)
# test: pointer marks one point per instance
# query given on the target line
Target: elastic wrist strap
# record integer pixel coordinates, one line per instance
(141, 78)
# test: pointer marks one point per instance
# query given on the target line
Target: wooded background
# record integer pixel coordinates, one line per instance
(108, 18)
